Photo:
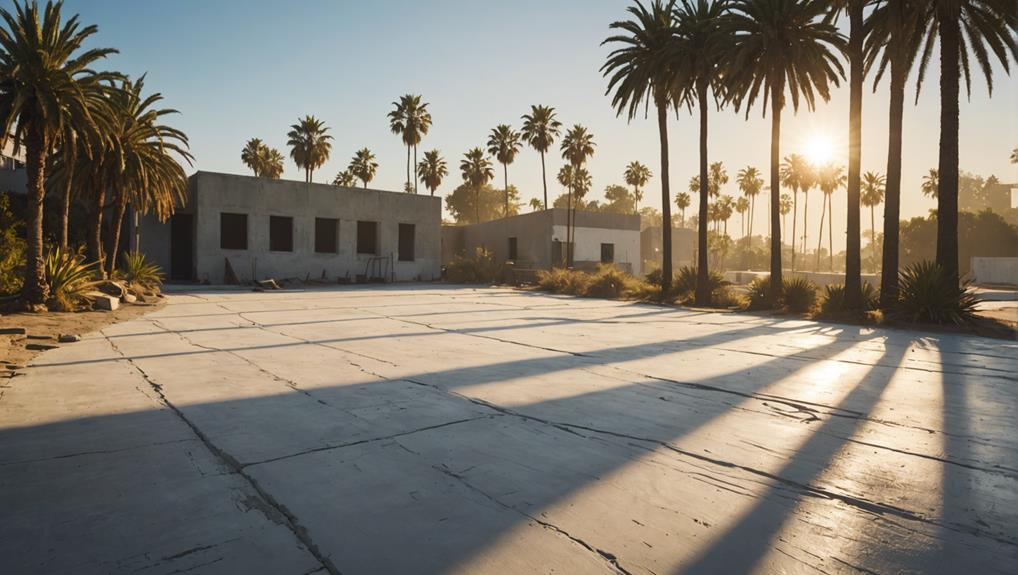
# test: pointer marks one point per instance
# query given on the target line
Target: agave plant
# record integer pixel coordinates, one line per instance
(685, 280)
(927, 293)
(136, 269)
(69, 278)
(799, 294)
(759, 292)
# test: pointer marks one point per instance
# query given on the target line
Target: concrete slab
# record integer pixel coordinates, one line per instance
(448, 429)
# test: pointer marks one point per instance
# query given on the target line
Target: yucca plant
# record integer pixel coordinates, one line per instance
(136, 269)
(69, 278)
(759, 293)
(926, 293)
(799, 294)
(834, 299)
(685, 280)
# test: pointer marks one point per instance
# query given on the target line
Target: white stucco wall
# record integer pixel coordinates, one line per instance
(1002, 271)
(588, 245)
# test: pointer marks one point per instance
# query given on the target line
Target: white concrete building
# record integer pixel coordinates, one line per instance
(261, 228)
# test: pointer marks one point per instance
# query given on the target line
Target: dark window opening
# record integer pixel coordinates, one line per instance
(233, 231)
(607, 253)
(367, 238)
(406, 242)
(280, 234)
(326, 235)
(513, 253)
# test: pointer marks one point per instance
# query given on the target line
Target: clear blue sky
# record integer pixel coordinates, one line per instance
(241, 69)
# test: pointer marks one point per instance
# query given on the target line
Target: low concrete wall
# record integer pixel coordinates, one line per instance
(821, 279)
(996, 271)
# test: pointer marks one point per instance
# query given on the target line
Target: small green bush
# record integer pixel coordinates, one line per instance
(926, 294)
(611, 282)
(69, 279)
(476, 270)
(758, 293)
(563, 281)
(685, 281)
(12, 249)
(136, 269)
(834, 298)
(799, 294)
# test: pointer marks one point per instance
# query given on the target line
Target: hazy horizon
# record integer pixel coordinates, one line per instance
(239, 70)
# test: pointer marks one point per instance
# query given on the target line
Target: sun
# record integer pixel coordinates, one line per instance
(819, 149)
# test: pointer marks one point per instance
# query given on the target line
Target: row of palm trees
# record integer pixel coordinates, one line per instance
(92, 134)
(739, 53)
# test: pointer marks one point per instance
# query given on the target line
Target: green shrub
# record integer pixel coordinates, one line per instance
(870, 296)
(563, 281)
(799, 294)
(834, 298)
(758, 293)
(685, 281)
(926, 294)
(135, 269)
(476, 270)
(69, 279)
(12, 249)
(611, 282)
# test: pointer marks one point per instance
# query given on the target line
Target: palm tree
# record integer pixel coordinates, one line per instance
(750, 183)
(894, 37)
(639, 72)
(476, 170)
(794, 174)
(829, 179)
(682, 201)
(803, 62)
(272, 164)
(148, 176)
(1014, 156)
(432, 170)
(45, 79)
(577, 146)
(253, 155)
(741, 207)
(345, 179)
(700, 42)
(411, 120)
(963, 27)
(540, 128)
(363, 166)
(726, 207)
(504, 144)
(873, 185)
(637, 175)
(931, 183)
(309, 145)
(785, 206)
(536, 204)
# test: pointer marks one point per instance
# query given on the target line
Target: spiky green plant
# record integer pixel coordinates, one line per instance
(758, 293)
(799, 294)
(136, 269)
(69, 278)
(927, 293)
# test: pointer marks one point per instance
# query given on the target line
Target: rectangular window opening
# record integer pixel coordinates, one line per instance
(326, 235)
(607, 253)
(406, 242)
(233, 231)
(367, 238)
(513, 249)
(280, 234)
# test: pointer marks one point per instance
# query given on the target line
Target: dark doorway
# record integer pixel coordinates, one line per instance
(182, 247)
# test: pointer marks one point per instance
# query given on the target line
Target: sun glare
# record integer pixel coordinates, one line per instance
(819, 150)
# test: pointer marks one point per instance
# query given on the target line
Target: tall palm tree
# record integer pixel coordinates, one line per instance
(699, 44)
(803, 63)
(577, 146)
(432, 170)
(253, 155)
(309, 145)
(540, 128)
(682, 201)
(536, 204)
(504, 144)
(873, 185)
(272, 164)
(1014, 156)
(345, 179)
(363, 166)
(411, 120)
(793, 174)
(785, 206)
(931, 183)
(985, 29)
(894, 37)
(750, 183)
(476, 170)
(636, 175)
(148, 175)
(640, 72)
(829, 178)
(741, 207)
(45, 77)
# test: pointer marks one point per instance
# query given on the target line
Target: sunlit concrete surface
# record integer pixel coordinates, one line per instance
(435, 429)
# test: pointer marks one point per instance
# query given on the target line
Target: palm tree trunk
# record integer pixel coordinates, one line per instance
(477, 204)
(776, 102)
(820, 238)
(830, 231)
(544, 181)
(892, 189)
(415, 165)
(853, 246)
(35, 291)
(702, 296)
(119, 208)
(505, 178)
(65, 210)
(947, 190)
(805, 220)
(95, 225)
(666, 199)
(752, 212)
(408, 165)
(569, 212)
(873, 238)
(795, 218)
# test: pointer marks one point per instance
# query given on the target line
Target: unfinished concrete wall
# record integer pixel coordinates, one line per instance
(683, 246)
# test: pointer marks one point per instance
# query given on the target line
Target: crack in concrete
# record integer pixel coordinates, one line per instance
(289, 520)
(93, 452)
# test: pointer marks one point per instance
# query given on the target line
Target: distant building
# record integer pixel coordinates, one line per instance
(260, 228)
(683, 246)
(537, 240)
(12, 169)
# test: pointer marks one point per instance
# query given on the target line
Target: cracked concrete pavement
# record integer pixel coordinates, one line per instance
(443, 429)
